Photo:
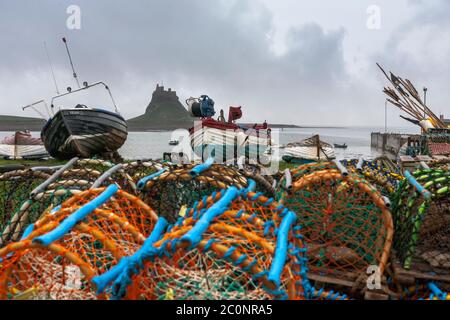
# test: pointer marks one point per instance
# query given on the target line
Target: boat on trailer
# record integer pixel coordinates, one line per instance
(308, 150)
(225, 139)
(84, 131)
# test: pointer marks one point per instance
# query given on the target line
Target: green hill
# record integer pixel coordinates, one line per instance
(14, 123)
(164, 112)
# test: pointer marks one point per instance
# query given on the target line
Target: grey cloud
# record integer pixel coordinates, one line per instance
(419, 50)
(221, 48)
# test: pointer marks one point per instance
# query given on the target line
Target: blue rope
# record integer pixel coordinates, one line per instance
(67, 224)
(143, 182)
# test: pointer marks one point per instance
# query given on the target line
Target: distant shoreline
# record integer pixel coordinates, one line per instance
(17, 123)
(12, 128)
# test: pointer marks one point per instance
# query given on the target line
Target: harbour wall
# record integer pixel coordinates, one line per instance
(388, 142)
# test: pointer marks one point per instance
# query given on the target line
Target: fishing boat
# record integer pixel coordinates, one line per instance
(308, 150)
(225, 139)
(81, 130)
(340, 146)
(84, 131)
(173, 142)
(22, 145)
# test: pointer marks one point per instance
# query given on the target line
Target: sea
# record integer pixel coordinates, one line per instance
(153, 144)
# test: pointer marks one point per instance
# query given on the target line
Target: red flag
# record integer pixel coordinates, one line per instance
(234, 113)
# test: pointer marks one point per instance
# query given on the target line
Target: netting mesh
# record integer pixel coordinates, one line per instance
(98, 164)
(342, 226)
(422, 225)
(230, 261)
(123, 204)
(31, 209)
(80, 179)
(175, 188)
(81, 175)
(63, 269)
(423, 290)
(45, 273)
(265, 182)
(15, 187)
(440, 164)
(381, 173)
(345, 223)
(142, 168)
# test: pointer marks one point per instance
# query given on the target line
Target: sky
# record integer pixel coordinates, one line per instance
(285, 61)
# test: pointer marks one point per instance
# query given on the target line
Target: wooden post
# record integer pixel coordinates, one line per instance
(318, 147)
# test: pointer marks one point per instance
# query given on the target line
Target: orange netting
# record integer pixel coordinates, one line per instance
(345, 222)
(231, 259)
(63, 269)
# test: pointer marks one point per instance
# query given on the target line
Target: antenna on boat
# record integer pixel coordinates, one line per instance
(51, 68)
(71, 63)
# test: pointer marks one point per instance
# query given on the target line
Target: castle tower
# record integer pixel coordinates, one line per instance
(164, 111)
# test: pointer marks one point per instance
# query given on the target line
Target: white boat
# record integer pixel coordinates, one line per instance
(226, 140)
(22, 145)
(308, 150)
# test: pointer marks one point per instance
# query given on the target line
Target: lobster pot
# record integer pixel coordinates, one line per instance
(177, 188)
(380, 172)
(54, 187)
(54, 261)
(426, 290)
(15, 189)
(231, 259)
(345, 224)
(422, 224)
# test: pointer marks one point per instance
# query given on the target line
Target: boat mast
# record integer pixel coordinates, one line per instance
(71, 63)
(51, 68)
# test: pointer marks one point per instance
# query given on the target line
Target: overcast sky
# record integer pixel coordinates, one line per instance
(285, 61)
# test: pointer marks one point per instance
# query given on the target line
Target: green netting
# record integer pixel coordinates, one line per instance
(15, 188)
(345, 223)
(176, 188)
(422, 225)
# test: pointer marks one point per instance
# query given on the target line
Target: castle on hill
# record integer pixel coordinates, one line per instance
(164, 112)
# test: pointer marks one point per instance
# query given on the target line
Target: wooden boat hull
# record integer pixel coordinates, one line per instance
(291, 159)
(83, 132)
(310, 153)
(228, 141)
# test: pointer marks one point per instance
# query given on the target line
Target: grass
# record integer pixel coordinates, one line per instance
(31, 163)
(284, 165)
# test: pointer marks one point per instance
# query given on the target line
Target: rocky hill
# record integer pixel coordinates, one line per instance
(164, 112)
